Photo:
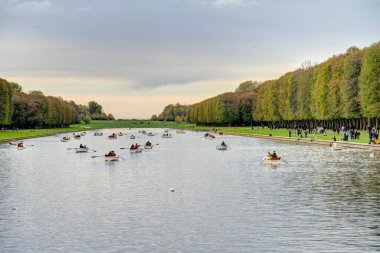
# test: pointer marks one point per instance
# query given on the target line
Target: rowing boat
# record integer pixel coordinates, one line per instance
(132, 137)
(180, 132)
(111, 158)
(222, 147)
(150, 134)
(82, 150)
(272, 160)
(166, 135)
(135, 150)
(98, 134)
(65, 139)
(112, 136)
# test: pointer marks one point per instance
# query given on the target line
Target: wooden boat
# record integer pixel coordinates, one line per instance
(180, 132)
(98, 134)
(132, 137)
(222, 147)
(148, 145)
(65, 139)
(83, 133)
(272, 160)
(82, 150)
(166, 135)
(150, 134)
(77, 136)
(112, 136)
(120, 134)
(111, 157)
(20, 146)
(135, 150)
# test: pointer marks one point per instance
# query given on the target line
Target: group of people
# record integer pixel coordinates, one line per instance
(111, 153)
(135, 146)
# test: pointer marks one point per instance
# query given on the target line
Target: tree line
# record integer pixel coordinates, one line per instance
(344, 90)
(33, 109)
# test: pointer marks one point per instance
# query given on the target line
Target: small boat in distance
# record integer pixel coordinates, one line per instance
(77, 136)
(150, 134)
(112, 136)
(98, 134)
(222, 146)
(148, 145)
(166, 135)
(272, 158)
(111, 157)
(20, 146)
(82, 149)
(120, 134)
(132, 137)
(65, 139)
(181, 131)
(135, 149)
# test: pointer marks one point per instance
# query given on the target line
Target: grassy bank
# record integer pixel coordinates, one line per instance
(29, 133)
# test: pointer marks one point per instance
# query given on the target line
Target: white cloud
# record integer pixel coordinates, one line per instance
(34, 6)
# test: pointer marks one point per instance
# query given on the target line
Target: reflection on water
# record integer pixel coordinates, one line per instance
(52, 199)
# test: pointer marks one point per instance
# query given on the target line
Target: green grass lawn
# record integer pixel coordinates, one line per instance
(101, 124)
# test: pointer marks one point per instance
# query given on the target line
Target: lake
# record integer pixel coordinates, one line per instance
(54, 200)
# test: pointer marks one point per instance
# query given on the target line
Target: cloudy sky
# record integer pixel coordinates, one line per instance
(136, 56)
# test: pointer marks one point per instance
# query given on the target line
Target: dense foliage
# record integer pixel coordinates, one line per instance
(34, 109)
(345, 89)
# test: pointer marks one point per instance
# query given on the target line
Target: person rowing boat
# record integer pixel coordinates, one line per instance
(272, 158)
(111, 156)
(148, 145)
(222, 146)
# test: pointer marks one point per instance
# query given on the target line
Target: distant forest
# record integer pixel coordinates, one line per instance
(342, 91)
(33, 109)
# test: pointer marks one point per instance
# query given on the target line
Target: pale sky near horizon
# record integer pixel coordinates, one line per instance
(136, 56)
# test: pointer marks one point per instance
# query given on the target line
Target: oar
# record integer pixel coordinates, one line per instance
(29, 145)
(228, 146)
(70, 148)
(12, 143)
(263, 160)
(122, 158)
(93, 150)
(94, 156)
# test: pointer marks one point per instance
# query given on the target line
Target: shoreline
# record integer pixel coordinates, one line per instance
(356, 145)
(316, 142)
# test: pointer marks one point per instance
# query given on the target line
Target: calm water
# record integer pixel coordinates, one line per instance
(54, 200)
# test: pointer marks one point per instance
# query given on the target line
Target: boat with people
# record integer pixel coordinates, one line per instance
(20, 146)
(272, 158)
(209, 136)
(166, 135)
(181, 131)
(335, 147)
(112, 136)
(77, 136)
(82, 149)
(120, 134)
(135, 148)
(111, 157)
(98, 134)
(132, 137)
(222, 146)
(148, 145)
(65, 139)
(150, 134)
(83, 133)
